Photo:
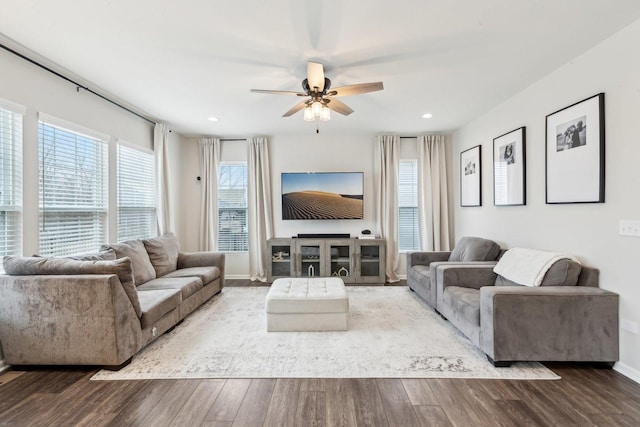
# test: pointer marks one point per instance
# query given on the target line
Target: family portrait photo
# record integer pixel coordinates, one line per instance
(571, 134)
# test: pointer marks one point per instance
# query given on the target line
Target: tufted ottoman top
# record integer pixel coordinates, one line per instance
(307, 295)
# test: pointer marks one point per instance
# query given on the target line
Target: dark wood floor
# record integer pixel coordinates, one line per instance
(66, 397)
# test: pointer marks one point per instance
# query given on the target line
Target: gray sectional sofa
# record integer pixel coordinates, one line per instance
(101, 309)
(565, 317)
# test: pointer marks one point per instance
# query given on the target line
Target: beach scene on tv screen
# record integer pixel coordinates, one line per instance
(334, 195)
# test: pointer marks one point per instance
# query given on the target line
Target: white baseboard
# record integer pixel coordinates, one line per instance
(237, 276)
(627, 371)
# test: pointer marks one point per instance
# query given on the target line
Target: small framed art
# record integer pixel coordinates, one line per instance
(509, 169)
(575, 153)
(470, 177)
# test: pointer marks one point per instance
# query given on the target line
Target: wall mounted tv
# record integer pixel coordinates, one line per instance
(322, 195)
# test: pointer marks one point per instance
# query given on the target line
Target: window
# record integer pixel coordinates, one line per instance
(10, 182)
(232, 208)
(136, 194)
(73, 188)
(408, 233)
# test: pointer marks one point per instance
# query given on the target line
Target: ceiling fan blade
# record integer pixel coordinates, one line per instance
(356, 89)
(339, 107)
(315, 76)
(279, 92)
(295, 109)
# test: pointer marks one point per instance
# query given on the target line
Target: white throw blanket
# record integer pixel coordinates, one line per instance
(527, 266)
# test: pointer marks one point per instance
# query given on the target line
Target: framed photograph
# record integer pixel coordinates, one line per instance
(575, 153)
(509, 169)
(470, 177)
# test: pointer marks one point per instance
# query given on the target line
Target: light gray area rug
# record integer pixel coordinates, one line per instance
(392, 334)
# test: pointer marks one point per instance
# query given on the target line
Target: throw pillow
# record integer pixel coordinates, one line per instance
(143, 270)
(163, 253)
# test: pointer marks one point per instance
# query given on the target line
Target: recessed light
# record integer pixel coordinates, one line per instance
(213, 119)
(427, 115)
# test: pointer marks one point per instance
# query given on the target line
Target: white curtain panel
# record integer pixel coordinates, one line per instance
(163, 197)
(387, 203)
(209, 159)
(260, 206)
(433, 196)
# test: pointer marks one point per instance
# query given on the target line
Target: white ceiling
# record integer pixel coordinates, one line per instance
(183, 61)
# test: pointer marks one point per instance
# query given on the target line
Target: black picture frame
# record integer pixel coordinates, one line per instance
(575, 153)
(471, 177)
(509, 168)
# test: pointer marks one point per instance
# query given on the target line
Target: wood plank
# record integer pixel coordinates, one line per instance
(457, 409)
(255, 404)
(542, 402)
(171, 403)
(397, 405)
(368, 403)
(104, 413)
(313, 384)
(226, 406)
(483, 405)
(282, 408)
(419, 392)
(432, 416)
(520, 413)
(198, 404)
(141, 403)
(339, 403)
(311, 409)
(217, 423)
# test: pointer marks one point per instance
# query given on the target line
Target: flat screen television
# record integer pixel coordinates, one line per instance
(322, 195)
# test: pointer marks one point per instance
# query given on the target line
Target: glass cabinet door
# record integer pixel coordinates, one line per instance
(310, 254)
(281, 256)
(370, 255)
(340, 254)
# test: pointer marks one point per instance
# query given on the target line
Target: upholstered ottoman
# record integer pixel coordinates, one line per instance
(307, 304)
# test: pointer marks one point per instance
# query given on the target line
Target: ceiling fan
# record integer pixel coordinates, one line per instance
(321, 98)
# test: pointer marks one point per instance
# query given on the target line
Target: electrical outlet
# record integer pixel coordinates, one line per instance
(629, 228)
(629, 326)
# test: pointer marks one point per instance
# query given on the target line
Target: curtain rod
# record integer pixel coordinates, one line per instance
(78, 85)
(232, 139)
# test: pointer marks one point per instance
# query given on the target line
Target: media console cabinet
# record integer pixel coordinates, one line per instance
(355, 261)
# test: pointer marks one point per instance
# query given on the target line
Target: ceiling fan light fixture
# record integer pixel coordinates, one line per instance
(317, 108)
(308, 114)
(325, 113)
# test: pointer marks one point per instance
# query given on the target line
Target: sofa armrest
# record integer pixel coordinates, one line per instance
(67, 320)
(550, 323)
(203, 259)
(466, 274)
(425, 258)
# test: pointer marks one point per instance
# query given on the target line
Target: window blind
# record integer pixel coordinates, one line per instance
(136, 199)
(10, 183)
(73, 190)
(232, 208)
(408, 233)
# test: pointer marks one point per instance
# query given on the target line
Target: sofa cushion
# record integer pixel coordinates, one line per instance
(187, 285)
(163, 253)
(108, 255)
(420, 273)
(206, 274)
(474, 249)
(156, 303)
(143, 270)
(465, 302)
(122, 267)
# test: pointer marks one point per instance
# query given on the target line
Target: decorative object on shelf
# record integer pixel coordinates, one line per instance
(311, 271)
(471, 177)
(509, 169)
(343, 272)
(575, 153)
(367, 234)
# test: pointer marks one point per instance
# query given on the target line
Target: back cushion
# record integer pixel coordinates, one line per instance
(143, 270)
(163, 253)
(29, 266)
(108, 255)
(475, 249)
(564, 272)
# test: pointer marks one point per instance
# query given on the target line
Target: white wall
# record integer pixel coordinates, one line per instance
(588, 231)
(290, 153)
(39, 91)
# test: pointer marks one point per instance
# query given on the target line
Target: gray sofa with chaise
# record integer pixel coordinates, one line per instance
(101, 309)
(421, 265)
(563, 317)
